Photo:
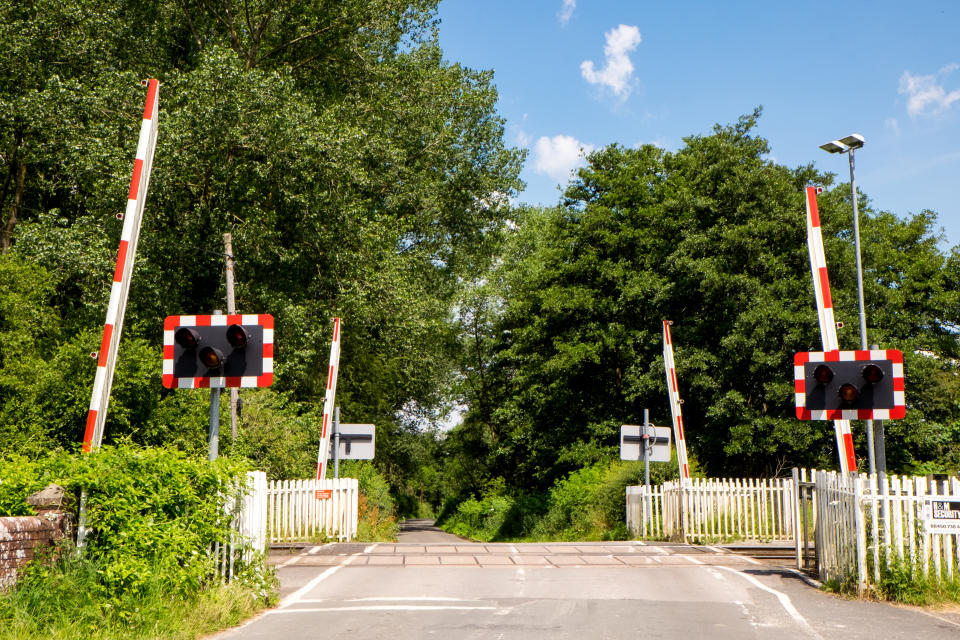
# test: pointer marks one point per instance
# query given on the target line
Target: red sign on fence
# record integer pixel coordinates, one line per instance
(323, 494)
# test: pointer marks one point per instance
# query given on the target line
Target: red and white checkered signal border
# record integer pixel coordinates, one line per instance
(895, 356)
(170, 325)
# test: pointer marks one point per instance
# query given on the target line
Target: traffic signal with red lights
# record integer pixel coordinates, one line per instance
(218, 351)
(849, 385)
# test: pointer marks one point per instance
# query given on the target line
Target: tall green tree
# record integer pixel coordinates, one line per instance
(713, 238)
(360, 173)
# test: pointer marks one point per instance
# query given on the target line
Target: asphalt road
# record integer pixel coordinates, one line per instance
(458, 590)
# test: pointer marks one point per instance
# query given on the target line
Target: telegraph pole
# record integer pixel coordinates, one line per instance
(231, 309)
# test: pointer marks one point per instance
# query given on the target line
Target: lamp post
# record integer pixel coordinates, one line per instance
(848, 145)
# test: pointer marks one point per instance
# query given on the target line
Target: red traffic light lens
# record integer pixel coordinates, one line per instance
(872, 373)
(211, 357)
(237, 336)
(848, 393)
(823, 374)
(187, 338)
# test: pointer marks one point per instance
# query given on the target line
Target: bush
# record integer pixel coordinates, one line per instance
(376, 509)
(151, 512)
(146, 569)
(589, 504)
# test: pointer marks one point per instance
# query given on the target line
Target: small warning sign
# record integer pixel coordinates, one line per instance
(941, 516)
(323, 494)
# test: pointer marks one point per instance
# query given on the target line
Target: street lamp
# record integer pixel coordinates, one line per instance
(848, 145)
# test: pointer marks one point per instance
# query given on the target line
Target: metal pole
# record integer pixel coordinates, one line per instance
(871, 453)
(644, 444)
(231, 309)
(336, 442)
(646, 469)
(213, 440)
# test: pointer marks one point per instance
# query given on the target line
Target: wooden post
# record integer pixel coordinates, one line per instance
(231, 309)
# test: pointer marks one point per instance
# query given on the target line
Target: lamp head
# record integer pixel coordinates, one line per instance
(853, 141)
(836, 146)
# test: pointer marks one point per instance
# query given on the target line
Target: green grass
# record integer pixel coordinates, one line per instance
(65, 601)
(899, 582)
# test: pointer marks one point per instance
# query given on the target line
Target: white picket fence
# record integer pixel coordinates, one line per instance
(644, 509)
(249, 526)
(295, 514)
(714, 509)
(863, 521)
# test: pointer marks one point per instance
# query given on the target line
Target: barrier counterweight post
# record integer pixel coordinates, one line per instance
(828, 325)
(328, 401)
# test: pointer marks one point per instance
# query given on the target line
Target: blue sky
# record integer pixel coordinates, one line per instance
(578, 74)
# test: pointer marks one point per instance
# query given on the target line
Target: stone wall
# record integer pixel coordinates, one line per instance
(22, 537)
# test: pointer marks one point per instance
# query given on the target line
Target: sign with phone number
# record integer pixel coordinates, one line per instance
(941, 516)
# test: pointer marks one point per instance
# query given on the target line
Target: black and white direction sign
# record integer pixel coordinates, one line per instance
(357, 442)
(941, 516)
(658, 441)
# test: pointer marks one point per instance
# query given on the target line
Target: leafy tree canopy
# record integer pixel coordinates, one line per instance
(565, 343)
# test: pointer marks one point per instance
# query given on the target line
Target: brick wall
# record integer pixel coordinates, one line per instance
(23, 536)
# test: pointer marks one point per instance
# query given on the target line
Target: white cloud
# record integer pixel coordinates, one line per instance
(892, 124)
(618, 69)
(566, 11)
(925, 97)
(558, 156)
(520, 135)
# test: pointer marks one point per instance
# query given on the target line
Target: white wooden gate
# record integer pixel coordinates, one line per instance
(715, 509)
(295, 514)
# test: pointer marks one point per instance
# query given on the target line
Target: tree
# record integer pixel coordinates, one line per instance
(360, 173)
(713, 238)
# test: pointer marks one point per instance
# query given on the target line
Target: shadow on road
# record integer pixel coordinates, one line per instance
(421, 530)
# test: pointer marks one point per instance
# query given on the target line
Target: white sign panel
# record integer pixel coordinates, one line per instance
(357, 442)
(658, 443)
(941, 516)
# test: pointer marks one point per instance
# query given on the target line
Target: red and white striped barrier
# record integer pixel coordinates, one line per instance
(107, 356)
(328, 403)
(675, 403)
(828, 326)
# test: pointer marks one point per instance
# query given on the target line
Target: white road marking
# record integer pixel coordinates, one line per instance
(295, 559)
(292, 560)
(932, 615)
(690, 559)
(716, 574)
(392, 599)
(370, 548)
(294, 597)
(783, 598)
(389, 607)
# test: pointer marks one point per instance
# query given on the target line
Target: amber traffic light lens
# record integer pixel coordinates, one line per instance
(872, 373)
(848, 393)
(823, 374)
(211, 357)
(237, 336)
(187, 338)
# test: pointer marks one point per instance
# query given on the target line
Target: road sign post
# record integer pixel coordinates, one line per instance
(336, 442)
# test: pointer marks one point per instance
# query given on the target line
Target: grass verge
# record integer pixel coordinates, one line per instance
(63, 601)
